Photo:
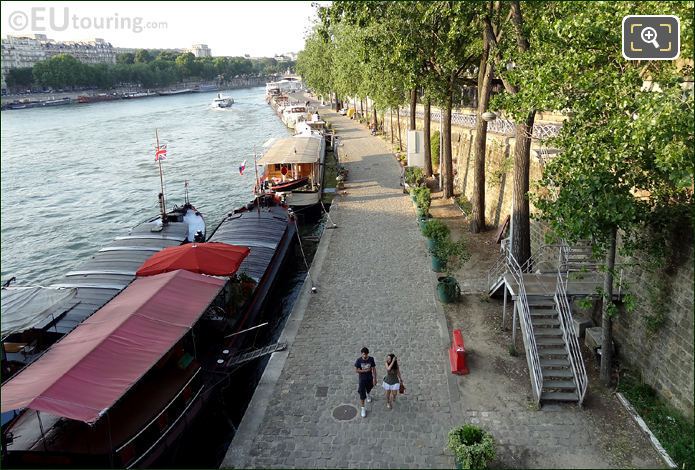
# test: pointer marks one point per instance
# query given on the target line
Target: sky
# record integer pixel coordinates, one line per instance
(260, 29)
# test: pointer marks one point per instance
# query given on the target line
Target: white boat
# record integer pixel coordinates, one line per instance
(295, 159)
(286, 85)
(222, 102)
(293, 114)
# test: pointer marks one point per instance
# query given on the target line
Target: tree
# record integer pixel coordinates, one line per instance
(315, 63)
(185, 64)
(21, 77)
(627, 148)
(125, 58)
(455, 48)
(143, 56)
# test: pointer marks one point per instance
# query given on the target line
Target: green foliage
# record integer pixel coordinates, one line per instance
(143, 68)
(414, 176)
(423, 198)
(473, 447)
(22, 77)
(671, 427)
(436, 230)
(453, 253)
(434, 148)
(465, 205)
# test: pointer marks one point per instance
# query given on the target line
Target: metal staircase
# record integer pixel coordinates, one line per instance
(552, 349)
(255, 354)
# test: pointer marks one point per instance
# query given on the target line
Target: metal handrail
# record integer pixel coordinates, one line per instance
(153, 420)
(496, 271)
(567, 327)
(527, 327)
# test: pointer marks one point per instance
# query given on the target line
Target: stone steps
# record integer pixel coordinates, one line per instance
(559, 396)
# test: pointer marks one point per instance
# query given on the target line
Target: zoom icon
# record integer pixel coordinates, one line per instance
(651, 37)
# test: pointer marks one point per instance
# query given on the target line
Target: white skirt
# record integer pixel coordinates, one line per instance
(395, 386)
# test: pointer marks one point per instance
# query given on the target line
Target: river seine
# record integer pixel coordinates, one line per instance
(75, 177)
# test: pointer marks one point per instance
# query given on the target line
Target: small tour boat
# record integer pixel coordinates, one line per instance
(222, 102)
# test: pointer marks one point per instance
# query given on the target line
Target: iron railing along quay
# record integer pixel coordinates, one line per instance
(568, 333)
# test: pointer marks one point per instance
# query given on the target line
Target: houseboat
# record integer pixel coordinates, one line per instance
(155, 357)
(292, 114)
(32, 322)
(297, 159)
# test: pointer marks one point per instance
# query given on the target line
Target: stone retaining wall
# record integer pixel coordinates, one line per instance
(664, 357)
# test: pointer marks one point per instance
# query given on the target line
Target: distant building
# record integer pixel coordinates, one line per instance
(200, 50)
(286, 57)
(153, 52)
(25, 51)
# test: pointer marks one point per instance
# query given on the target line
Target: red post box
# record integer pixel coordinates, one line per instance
(457, 354)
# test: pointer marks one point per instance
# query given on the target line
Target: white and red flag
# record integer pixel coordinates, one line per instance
(160, 153)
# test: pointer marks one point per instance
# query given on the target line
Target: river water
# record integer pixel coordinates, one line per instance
(75, 177)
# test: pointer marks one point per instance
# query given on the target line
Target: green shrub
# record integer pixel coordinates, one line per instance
(672, 428)
(434, 148)
(414, 175)
(452, 253)
(465, 205)
(472, 447)
(436, 230)
(423, 198)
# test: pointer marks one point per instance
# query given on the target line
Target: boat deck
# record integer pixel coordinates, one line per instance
(111, 269)
(259, 229)
(127, 418)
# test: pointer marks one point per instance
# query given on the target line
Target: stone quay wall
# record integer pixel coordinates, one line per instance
(664, 355)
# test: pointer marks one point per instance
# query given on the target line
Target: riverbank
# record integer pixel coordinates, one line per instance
(370, 294)
(38, 100)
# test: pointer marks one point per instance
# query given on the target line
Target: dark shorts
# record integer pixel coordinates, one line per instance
(365, 387)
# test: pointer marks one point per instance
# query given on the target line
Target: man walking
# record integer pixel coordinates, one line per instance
(366, 372)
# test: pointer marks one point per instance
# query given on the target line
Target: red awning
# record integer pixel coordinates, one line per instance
(86, 372)
(212, 258)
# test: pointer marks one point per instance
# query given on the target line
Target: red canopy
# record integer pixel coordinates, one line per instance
(212, 258)
(86, 372)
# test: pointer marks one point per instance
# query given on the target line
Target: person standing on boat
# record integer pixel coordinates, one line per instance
(366, 372)
(392, 380)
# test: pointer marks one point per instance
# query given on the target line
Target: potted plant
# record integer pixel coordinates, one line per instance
(414, 176)
(449, 256)
(435, 231)
(248, 284)
(423, 200)
(472, 446)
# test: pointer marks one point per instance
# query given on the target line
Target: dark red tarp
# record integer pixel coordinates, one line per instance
(85, 373)
(212, 258)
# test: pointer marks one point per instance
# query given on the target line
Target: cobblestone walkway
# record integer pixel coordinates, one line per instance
(370, 293)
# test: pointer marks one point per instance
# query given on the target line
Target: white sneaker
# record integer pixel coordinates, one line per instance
(364, 412)
(369, 398)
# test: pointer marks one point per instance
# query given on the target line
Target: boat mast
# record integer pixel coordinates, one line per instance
(259, 190)
(162, 202)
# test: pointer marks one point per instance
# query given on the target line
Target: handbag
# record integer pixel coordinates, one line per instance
(402, 388)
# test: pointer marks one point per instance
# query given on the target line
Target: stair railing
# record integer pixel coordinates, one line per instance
(567, 326)
(522, 306)
(497, 270)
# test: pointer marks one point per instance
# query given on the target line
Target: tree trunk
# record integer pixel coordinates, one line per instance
(366, 107)
(521, 226)
(361, 107)
(398, 121)
(427, 143)
(448, 164)
(413, 108)
(375, 117)
(606, 313)
(336, 102)
(391, 126)
(479, 145)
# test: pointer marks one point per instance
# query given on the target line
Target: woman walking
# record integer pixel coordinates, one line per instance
(392, 380)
